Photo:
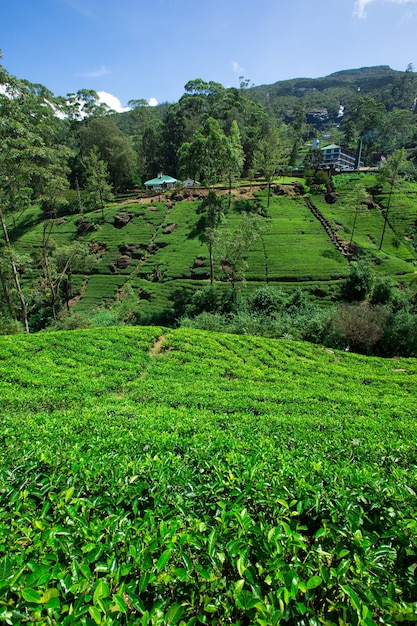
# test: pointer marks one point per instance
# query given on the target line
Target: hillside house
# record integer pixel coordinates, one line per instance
(334, 156)
(190, 182)
(162, 181)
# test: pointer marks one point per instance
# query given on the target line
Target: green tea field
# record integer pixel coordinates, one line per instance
(154, 247)
(155, 476)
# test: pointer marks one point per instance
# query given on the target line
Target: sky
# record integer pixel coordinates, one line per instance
(149, 49)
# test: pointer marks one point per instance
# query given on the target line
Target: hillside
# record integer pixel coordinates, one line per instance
(157, 476)
(152, 244)
(323, 96)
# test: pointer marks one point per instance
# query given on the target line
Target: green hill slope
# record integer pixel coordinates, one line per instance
(157, 250)
(151, 476)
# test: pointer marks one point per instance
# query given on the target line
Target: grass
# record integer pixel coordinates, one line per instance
(150, 476)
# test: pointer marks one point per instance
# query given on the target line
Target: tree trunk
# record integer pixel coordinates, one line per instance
(15, 274)
(7, 295)
(211, 262)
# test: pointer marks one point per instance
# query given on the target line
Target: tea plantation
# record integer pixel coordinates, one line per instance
(154, 476)
(152, 247)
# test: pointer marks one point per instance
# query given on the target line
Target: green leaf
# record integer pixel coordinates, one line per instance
(31, 595)
(49, 593)
(5, 568)
(239, 585)
(120, 603)
(53, 603)
(163, 560)
(240, 566)
(352, 597)
(343, 553)
(174, 613)
(314, 582)
(211, 542)
(68, 493)
(95, 614)
(102, 591)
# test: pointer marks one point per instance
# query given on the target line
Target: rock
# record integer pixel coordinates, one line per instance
(122, 219)
(299, 188)
(123, 261)
(370, 203)
(169, 229)
(331, 197)
(83, 226)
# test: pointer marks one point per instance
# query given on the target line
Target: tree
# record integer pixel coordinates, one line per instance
(356, 201)
(57, 265)
(96, 179)
(206, 156)
(234, 164)
(214, 216)
(233, 247)
(359, 283)
(145, 129)
(390, 173)
(32, 159)
(83, 104)
(115, 149)
(268, 155)
(298, 125)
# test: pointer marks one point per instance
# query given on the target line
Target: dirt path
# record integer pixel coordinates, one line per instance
(156, 348)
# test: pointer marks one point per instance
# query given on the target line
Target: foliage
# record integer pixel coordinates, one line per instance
(359, 283)
(96, 180)
(361, 325)
(268, 300)
(115, 149)
(183, 477)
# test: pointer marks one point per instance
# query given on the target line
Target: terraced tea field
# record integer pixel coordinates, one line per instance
(153, 245)
(154, 476)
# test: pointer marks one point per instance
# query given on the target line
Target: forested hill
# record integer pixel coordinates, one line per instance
(392, 88)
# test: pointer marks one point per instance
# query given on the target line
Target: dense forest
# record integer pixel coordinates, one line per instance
(71, 155)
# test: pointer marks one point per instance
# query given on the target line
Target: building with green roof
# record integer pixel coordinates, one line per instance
(161, 182)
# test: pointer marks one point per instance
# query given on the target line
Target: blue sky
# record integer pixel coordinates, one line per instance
(150, 49)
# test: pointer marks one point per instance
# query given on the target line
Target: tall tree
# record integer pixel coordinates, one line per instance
(207, 154)
(115, 149)
(233, 247)
(234, 164)
(32, 160)
(213, 209)
(96, 180)
(270, 152)
(390, 173)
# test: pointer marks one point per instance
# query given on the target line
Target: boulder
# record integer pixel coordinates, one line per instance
(169, 229)
(122, 219)
(83, 226)
(123, 261)
(331, 197)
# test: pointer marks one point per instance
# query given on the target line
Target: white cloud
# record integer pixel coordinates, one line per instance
(111, 101)
(238, 69)
(102, 71)
(153, 102)
(359, 9)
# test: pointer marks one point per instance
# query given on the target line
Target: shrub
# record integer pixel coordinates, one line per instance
(204, 321)
(359, 282)
(382, 291)
(362, 325)
(8, 326)
(400, 336)
(268, 300)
